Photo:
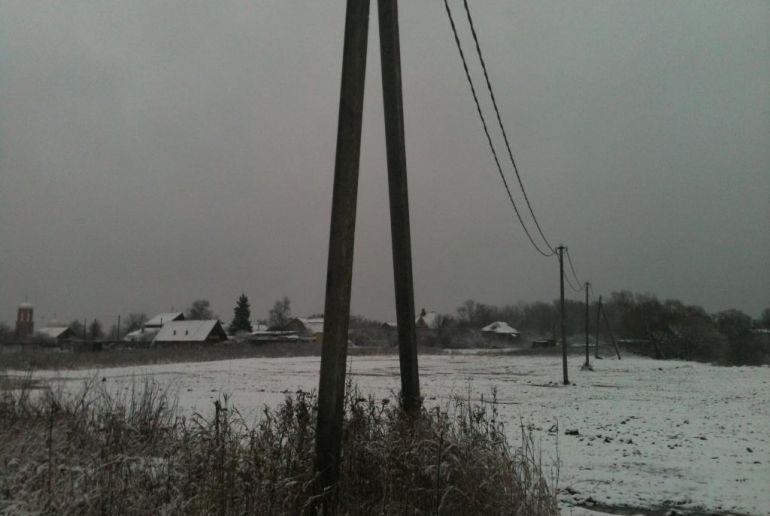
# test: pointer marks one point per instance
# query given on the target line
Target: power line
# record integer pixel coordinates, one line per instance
(572, 268)
(571, 286)
(550, 252)
(502, 127)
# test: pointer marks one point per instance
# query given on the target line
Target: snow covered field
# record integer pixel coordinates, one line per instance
(635, 432)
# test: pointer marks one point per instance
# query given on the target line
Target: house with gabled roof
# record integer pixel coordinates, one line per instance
(159, 320)
(312, 327)
(209, 331)
(500, 332)
(56, 332)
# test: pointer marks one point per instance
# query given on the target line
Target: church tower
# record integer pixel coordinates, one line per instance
(25, 325)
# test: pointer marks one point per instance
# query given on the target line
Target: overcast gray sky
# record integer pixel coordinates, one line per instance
(153, 153)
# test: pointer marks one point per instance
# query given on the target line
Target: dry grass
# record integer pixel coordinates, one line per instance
(98, 453)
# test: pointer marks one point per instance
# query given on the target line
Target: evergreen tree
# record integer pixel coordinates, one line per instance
(241, 316)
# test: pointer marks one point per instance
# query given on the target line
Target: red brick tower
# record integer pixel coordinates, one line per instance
(25, 324)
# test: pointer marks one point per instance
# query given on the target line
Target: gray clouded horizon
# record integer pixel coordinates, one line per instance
(153, 153)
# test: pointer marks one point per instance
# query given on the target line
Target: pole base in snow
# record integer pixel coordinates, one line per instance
(587, 367)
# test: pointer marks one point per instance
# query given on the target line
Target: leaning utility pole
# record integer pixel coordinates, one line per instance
(390, 57)
(331, 390)
(560, 251)
(609, 330)
(598, 322)
(339, 272)
(587, 364)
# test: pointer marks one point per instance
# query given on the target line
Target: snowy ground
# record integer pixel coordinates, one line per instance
(649, 433)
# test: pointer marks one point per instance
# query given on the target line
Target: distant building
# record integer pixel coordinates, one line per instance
(56, 332)
(262, 334)
(159, 320)
(499, 332)
(427, 320)
(191, 331)
(141, 335)
(25, 325)
(312, 327)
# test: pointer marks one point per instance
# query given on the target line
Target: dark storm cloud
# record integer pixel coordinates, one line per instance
(157, 152)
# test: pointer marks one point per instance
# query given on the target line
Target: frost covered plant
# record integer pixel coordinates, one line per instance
(101, 453)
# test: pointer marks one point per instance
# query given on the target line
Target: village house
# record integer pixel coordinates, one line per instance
(159, 320)
(499, 333)
(58, 333)
(209, 331)
(151, 328)
(308, 327)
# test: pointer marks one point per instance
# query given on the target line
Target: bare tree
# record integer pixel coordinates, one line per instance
(200, 310)
(134, 322)
(95, 331)
(280, 314)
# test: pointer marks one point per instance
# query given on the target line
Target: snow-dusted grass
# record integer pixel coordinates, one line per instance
(649, 433)
(94, 451)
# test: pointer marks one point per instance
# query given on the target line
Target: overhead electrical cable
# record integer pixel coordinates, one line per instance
(571, 285)
(572, 268)
(550, 251)
(502, 127)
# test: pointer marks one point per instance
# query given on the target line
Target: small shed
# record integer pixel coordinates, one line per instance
(191, 331)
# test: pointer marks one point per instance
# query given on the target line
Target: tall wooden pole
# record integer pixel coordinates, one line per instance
(598, 324)
(390, 57)
(560, 249)
(609, 330)
(331, 388)
(587, 364)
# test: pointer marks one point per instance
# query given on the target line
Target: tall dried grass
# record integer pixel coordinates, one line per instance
(102, 453)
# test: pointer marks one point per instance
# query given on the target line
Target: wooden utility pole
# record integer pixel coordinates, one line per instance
(609, 330)
(339, 272)
(117, 331)
(587, 364)
(390, 57)
(598, 322)
(331, 390)
(560, 250)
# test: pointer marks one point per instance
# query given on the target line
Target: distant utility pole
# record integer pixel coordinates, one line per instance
(587, 364)
(117, 330)
(560, 251)
(598, 323)
(331, 390)
(609, 330)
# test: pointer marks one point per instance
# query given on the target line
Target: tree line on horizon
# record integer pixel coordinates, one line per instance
(664, 329)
